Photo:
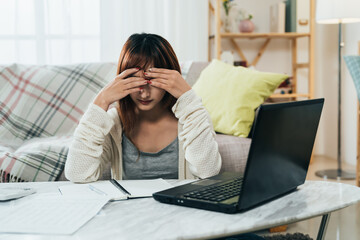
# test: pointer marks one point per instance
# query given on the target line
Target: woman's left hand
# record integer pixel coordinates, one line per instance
(169, 80)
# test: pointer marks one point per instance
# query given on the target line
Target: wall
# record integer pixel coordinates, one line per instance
(327, 86)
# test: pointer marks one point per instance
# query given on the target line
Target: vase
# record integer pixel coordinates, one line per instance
(246, 26)
(227, 24)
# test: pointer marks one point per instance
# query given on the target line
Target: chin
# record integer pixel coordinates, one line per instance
(145, 107)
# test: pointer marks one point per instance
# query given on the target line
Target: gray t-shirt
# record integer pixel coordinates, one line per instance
(163, 164)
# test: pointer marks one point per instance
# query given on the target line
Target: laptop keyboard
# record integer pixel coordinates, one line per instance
(217, 193)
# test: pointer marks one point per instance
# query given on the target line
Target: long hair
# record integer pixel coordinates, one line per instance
(142, 50)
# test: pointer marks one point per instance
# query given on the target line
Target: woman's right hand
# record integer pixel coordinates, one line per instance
(120, 87)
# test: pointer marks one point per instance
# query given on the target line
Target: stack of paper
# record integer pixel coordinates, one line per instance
(77, 204)
(49, 214)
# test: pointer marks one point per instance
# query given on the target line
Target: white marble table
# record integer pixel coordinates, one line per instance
(148, 219)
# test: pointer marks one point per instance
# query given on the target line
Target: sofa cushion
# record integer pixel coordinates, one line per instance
(37, 103)
(231, 95)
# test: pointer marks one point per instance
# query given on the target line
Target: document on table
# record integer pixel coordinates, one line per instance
(117, 190)
(53, 214)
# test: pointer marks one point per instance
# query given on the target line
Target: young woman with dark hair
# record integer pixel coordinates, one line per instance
(158, 128)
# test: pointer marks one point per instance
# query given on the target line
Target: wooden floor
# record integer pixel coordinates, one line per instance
(322, 163)
(344, 224)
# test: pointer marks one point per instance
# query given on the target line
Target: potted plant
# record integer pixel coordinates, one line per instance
(245, 25)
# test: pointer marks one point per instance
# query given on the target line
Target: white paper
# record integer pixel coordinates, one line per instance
(7, 193)
(100, 188)
(144, 188)
(49, 214)
(136, 188)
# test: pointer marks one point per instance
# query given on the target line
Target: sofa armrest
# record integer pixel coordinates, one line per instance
(234, 152)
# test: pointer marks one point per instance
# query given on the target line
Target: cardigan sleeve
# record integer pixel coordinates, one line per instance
(91, 146)
(198, 136)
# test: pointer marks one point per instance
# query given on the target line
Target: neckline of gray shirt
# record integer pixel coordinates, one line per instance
(162, 164)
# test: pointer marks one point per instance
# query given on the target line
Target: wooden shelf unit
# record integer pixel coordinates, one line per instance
(292, 36)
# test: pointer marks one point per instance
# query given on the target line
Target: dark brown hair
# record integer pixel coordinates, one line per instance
(142, 50)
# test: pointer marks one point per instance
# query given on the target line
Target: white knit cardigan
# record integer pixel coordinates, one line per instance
(98, 137)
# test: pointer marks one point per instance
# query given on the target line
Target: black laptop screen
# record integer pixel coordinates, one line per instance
(282, 143)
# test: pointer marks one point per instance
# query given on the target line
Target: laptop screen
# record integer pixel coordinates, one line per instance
(281, 148)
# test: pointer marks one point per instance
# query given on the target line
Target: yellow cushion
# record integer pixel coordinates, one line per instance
(231, 95)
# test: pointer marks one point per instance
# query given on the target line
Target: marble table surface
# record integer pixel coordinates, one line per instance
(148, 219)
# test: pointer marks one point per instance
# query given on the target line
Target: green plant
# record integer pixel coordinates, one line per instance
(244, 15)
(227, 5)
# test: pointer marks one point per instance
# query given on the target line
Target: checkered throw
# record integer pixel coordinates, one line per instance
(40, 107)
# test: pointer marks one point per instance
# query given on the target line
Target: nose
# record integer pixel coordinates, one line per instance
(145, 91)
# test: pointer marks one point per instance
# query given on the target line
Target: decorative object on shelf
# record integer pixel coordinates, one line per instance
(297, 16)
(227, 6)
(290, 16)
(286, 87)
(277, 17)
(338, 12)
(245, 25)
(240, 63)
(227, 24)
(227, 57)
(228, 19)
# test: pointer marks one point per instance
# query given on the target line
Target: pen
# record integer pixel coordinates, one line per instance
(116, 184)
(92, 188)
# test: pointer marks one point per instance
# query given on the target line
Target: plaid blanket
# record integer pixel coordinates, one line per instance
(40, 107)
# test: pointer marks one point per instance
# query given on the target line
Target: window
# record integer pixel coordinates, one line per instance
(49, 31)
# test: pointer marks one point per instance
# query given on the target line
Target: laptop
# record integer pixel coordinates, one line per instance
(282, 142)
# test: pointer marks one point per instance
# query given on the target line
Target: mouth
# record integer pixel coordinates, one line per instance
(145, 102)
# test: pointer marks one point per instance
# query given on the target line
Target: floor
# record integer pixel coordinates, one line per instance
(344, 224)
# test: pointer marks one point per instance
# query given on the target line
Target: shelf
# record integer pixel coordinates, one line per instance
(292, 95)
(290, 35)
(298, 68)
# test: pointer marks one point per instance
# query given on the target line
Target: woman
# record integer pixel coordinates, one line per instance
(159, 127)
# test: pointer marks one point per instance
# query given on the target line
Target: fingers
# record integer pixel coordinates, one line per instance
(133, 79)
(135, 84)
(161, 70)
(159, 83)
(133, 90)
(127, 72)
(156, 75)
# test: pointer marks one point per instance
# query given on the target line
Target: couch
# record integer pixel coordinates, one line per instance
(40, 106)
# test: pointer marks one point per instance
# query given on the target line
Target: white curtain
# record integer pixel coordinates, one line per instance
(71, 31)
